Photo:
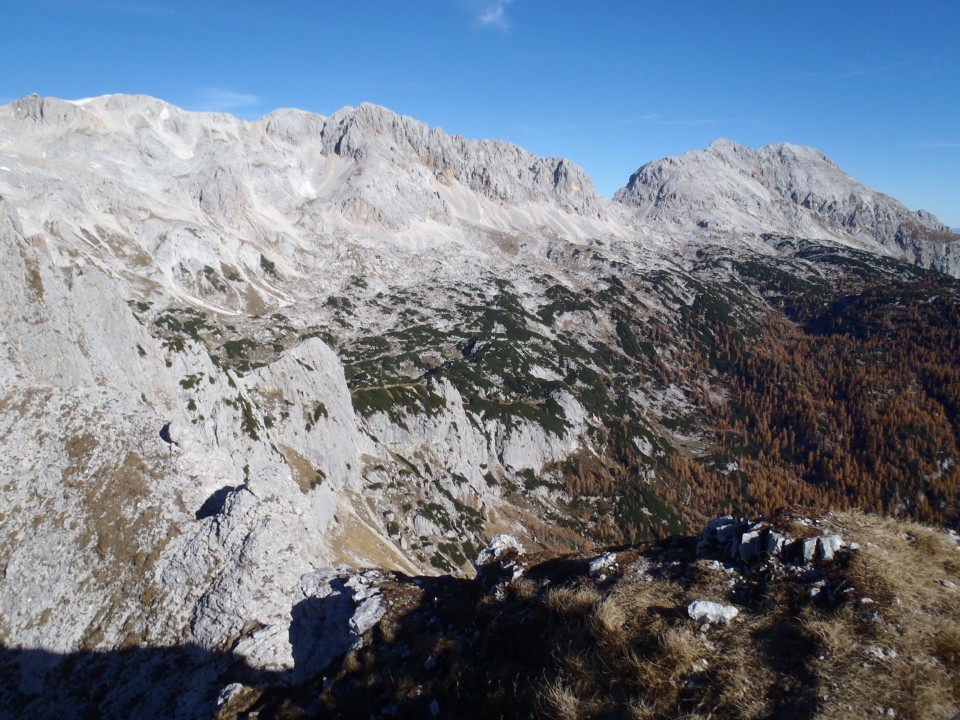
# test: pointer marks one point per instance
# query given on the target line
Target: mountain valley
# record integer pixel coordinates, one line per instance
(237, 355)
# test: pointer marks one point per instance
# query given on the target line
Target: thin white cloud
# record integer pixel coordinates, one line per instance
(494, 14)
(937, 145)
(855, 73)
(659, 119)
(909, 68)
(650, 117)
(143, 9)
(485, 13)
(116, 7)
(215, 99)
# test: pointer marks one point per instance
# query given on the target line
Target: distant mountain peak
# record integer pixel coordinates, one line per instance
(400, 172)
(736, 192)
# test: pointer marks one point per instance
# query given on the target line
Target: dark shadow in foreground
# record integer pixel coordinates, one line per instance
(175, 682)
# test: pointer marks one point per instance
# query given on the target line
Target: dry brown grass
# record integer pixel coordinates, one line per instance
(560, 702)
(301, 469)
(525, 589)
(566, 600)
(636, 653)
(560, 644)
(903, 650)
(626, 639)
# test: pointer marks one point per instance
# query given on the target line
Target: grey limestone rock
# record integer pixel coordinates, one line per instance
(498, 547)
(605, 561)
(707, 612)
(807, 549)
(497, 170)
(827, 546)
(337, 608)
(730, 190)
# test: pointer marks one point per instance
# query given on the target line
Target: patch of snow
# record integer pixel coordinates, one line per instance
(86, 101)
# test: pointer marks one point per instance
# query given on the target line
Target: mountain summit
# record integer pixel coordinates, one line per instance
(732, 190)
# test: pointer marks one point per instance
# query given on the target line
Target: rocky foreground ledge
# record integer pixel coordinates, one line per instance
(846, 616)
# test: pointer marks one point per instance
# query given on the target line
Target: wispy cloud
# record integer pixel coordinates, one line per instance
(494, 14)
(855, 73)
(113, 7)
(216, 99)
(937, 145)
(142, 9)
(660, 119)
(485, 13)
(907, 69)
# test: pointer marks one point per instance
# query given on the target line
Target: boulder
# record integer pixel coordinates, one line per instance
(498, 547)
(804, 550)
(499, 562)
(718, 535)
(598, 565)
(827, 546)
(707, 612)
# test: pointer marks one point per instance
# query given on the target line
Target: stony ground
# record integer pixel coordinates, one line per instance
(848, 616)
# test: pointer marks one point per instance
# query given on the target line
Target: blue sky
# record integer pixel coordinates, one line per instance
(610, 84)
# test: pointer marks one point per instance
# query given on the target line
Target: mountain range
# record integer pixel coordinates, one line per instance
(236, 354)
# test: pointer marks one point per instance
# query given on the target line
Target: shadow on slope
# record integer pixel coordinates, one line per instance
(173, 682)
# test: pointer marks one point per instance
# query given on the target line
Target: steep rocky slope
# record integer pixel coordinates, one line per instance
(730, 190)
(237, 354)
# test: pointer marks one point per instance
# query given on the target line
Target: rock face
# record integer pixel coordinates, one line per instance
(169, 479)
(337, 609)
(391, 149)
(729, 189)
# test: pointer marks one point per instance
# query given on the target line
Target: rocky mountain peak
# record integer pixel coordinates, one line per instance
(293, 126)
(789, 153)
(497, 170)
(729, 150)
(44, 111)
(733, 191)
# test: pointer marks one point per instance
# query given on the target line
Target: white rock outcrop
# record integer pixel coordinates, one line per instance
(707, 612)
(499, 546)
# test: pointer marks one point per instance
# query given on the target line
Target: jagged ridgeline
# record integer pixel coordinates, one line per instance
(238, 353)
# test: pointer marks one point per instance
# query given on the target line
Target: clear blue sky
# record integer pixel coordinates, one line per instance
(610, 84)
